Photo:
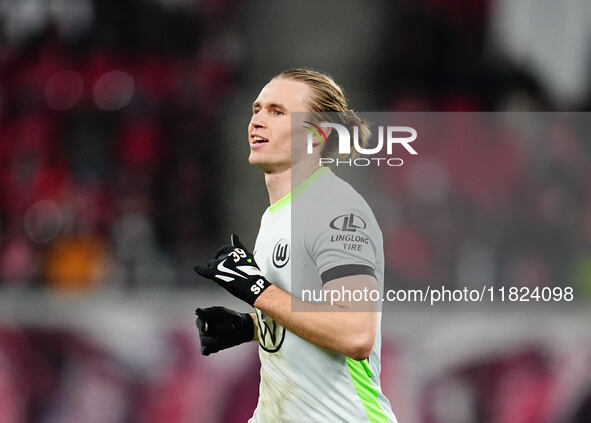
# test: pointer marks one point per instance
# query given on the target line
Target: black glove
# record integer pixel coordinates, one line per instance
(235, 270)
(221, 328)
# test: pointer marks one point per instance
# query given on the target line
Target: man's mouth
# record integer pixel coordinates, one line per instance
(258, 140)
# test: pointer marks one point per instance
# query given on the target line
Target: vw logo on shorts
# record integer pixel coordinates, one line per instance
(281, 253)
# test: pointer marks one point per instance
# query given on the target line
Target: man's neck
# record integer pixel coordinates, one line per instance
(280, 184)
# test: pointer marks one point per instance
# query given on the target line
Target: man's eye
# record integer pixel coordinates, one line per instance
(277, 112)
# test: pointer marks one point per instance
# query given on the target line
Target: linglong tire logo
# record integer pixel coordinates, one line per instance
(281, 253)
(348, 223)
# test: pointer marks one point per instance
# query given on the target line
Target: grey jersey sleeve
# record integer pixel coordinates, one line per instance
(342, 242)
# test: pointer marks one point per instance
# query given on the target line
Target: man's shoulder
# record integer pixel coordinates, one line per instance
(333, 204)
(334, 193)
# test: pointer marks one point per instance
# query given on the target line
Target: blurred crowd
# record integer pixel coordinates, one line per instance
(61, 375)
(108, 124)
(110, 112)
(525, 384)
(499, 199)
(494, 199)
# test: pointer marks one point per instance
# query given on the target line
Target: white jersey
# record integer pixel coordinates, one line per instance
(338, 236)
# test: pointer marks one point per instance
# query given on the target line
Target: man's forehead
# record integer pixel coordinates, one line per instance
(293, 95)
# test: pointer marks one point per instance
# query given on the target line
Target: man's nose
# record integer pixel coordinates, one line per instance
(257, 121)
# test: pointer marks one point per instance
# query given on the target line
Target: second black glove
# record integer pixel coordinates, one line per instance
(221, 328)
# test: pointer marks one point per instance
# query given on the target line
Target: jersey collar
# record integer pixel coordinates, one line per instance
(286, 199)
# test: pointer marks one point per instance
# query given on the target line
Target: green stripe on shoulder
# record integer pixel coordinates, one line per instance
(286, 199)
(367, 392)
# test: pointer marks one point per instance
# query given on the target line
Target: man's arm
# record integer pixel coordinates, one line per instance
(348, 328)
(253, 316)
(345, 327)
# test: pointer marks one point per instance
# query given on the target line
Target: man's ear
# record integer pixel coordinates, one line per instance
(324, 134)
(327, 130)
(318, 144)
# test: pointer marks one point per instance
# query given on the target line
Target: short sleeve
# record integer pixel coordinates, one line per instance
(342, 242)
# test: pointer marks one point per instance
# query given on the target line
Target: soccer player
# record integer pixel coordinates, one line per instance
(321, 364)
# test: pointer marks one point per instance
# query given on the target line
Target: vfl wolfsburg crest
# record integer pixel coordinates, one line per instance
(271, 333)
(281, 253)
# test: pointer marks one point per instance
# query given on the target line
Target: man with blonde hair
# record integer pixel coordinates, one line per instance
(320, 362)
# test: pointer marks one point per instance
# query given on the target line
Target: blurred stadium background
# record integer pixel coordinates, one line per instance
(123, 163)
